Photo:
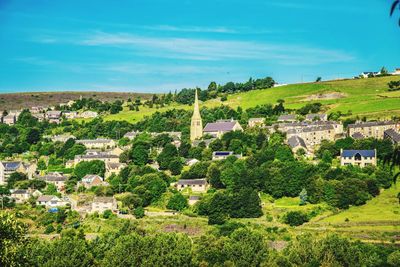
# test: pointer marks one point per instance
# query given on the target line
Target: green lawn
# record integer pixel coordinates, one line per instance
(369, 97)
(382, 209)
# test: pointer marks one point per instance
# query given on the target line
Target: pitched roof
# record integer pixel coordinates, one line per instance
(11, 166)
(313, 116)
(20, 191)
(296, 141)
(392, 134)
(220, 126)
(357, 135)
(363, 153)
(89, 178)
(222, 153)
(192, 182)
(104, 199)
(46, 198)
(53, 177)
(289, 117)
(371, 123)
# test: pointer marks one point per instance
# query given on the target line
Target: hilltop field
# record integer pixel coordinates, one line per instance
(14, 101)
(363, 97)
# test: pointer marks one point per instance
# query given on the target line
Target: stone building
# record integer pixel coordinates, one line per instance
(375, 129)
(361, 158)
(196, 125)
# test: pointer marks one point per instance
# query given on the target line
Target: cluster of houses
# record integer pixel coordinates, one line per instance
(49, 114)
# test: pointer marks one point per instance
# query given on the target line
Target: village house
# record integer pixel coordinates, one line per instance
(285, 127)
(219, 128)
(7, 168)
(361, 158)
(375, 129)
(90, 156)
(9, 119)
(36, 109)
(296, 143)
(101, 204)
(393, 136)
(196, 185)
(287, 118)
(89, 114)
(54, 116)
(253, 122)
(70, 114)
(313, 135)
(396, 71)
(113, 168)
(20, 195)
(191, 162)
(62, 138)
(131, 135)
(367, 74)
(99, 143)
(39, 116)
(91, 180)
(50, 201)
(316, 117)
(221, 155)
(55, 178)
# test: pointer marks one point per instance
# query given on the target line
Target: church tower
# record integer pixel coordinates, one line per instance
(196, 126)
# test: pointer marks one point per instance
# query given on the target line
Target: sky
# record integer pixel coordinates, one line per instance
(167, 45)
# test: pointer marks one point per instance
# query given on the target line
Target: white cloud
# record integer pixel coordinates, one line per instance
(212, 49)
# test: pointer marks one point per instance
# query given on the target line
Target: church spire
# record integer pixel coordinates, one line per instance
(196, 126)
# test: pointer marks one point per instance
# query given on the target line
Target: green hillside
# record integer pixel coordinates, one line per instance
(368, 97)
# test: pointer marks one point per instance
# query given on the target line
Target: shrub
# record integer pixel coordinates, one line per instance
(295, 218)
(138, 213)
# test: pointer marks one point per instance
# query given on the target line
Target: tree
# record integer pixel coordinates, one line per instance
(168, 154)
(41, 165)
(175, 166)
(90, 167)
(303, 197)
(295, 218)
(177, 202)
(319, 79)
(140, 154)
(32, 136)
(15, 177)
(12, 236)
(139, 213)
(246, 204)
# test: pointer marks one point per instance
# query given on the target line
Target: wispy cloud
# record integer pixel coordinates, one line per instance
(191, 29)
(209, 49)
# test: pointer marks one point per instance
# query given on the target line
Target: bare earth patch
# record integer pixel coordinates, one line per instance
(189, 230)
(326, 96)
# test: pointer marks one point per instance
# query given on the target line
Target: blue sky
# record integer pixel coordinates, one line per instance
(162, 45)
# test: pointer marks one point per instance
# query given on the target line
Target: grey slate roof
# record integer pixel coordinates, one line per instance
(312, 116)
(222, 153)
(371, 123)
(103, 199)
(220, 126)
(295, 141)
(11, 166)
(393, 135)
(310, 129)
(53, 178)
(192, 182)
(363, 153)
(358, 135)
(289, 117)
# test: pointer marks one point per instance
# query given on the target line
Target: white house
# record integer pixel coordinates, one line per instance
(101, 204)
(197, 185)
(99, 143)
(361, 158)
(50, 201)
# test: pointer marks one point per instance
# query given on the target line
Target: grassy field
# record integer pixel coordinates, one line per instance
(378, 219)
(362, 97)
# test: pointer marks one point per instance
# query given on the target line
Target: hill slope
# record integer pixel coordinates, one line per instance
(369, 97)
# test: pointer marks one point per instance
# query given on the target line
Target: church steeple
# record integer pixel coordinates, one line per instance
(196, 126)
